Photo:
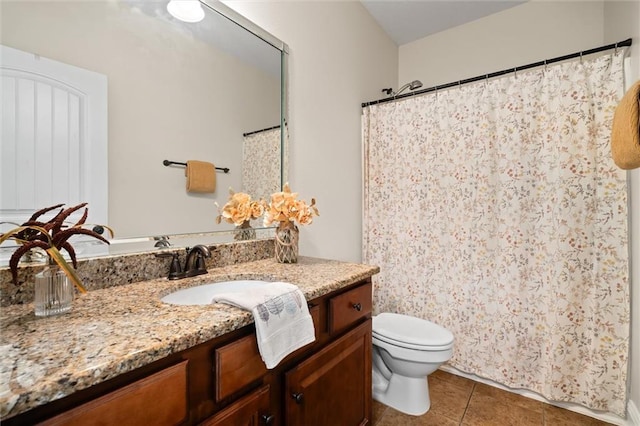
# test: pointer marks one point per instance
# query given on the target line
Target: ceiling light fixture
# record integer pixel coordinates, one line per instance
(186, 10)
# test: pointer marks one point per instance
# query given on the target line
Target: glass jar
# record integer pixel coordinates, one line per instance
(245, 232)
(286, 242)
(53, 292)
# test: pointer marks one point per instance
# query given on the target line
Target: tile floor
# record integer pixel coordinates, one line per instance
(459, 401)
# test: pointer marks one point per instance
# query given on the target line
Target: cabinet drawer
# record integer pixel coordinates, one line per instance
(349, 307)
(160, 399)
(239, 363)
(252, 409)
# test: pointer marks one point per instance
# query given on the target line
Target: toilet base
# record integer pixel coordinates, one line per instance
(409, 395)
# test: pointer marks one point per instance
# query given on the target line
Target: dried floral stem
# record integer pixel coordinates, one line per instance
(51, 237)
(285, 207)
(240, 208)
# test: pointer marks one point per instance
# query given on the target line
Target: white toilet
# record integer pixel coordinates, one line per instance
(405, 351)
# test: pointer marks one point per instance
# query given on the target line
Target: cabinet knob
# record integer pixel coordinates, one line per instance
(267, 419)
(297, 397)
(357, 307)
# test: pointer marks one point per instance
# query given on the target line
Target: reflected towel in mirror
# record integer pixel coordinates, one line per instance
(201, 176)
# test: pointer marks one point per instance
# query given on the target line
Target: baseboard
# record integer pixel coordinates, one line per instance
(633, 415)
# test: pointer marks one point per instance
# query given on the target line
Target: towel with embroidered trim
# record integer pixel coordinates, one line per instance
(281, 316)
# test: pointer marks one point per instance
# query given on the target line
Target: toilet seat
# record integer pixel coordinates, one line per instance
(405, 345)
(411, 333)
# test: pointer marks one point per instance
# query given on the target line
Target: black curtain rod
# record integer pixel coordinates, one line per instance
(260, 131)
(624, 43)
(168, 163)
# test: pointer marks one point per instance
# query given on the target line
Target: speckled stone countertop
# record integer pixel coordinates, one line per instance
(115, 330)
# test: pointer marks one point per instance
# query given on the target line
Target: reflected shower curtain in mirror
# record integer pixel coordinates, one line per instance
(261, 164)
(495, 210)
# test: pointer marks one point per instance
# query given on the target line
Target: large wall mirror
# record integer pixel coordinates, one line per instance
(160, 89)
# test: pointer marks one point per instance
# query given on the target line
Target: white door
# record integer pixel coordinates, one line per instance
(54, 136)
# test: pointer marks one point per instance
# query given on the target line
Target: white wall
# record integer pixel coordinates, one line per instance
(339, 58)
(527, 33)
(621, 21)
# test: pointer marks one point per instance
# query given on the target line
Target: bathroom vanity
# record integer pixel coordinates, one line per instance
(124, 357)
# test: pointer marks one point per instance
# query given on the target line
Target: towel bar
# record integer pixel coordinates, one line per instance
(168, 163)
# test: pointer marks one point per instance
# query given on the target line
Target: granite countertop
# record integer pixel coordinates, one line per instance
(115, 330)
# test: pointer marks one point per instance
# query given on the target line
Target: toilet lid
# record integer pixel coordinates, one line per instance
(403, 330)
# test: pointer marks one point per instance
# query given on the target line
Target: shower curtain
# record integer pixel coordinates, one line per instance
(495, 210)
(261, 163)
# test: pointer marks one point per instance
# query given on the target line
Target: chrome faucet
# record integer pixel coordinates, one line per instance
(195, 265)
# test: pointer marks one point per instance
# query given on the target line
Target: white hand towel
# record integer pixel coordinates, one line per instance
(281, 315)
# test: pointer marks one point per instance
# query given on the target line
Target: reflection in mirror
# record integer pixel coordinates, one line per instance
(166, 90)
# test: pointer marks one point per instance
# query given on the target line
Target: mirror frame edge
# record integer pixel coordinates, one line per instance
(269, 38)
(245, 23)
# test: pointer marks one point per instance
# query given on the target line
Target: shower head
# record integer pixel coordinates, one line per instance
(415, 84)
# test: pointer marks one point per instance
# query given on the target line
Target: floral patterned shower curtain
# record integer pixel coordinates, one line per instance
(261, 163)
(495, 210)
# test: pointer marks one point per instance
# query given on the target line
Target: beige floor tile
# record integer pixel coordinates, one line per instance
(484, 410)
(395, 418)
(554, 416)
(456, 400)
(508, 397)
(459, 381)
(378, 411)
(449, 398)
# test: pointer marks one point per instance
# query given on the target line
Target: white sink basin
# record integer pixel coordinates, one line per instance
(202, 294)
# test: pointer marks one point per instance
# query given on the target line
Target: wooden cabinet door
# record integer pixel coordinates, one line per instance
(251, 410)
(333, 387)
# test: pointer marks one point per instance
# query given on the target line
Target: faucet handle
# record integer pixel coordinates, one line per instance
(175, 271)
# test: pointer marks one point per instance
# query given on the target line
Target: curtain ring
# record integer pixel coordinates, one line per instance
(515, 73)
(616, 51)
(581, 57)
(545, 66)
(486, 80)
